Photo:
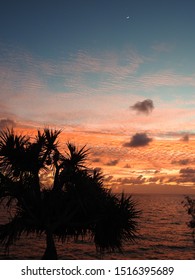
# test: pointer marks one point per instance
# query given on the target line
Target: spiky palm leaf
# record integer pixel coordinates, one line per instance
(13, 153)
(76, 158)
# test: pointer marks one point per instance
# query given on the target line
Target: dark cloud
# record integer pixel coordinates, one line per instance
(187, 171)
(127, 166)
(156, 179)
(96, 160)
(144, 107)
(185, 138)
(4, 123)
(181, 161)
(112, 162)
(132, 180)
(186, 175)
(138, 140)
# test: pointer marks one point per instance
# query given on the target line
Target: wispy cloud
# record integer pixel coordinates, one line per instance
(7, 123)
(91, 90)
(112, 162)
(162, 47)
(165, 78)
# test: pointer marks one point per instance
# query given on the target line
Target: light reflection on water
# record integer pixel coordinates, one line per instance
(163, 235)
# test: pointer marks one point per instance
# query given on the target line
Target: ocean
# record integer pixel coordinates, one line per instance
(163, 232)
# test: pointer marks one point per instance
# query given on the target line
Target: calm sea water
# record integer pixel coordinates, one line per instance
(163, 235)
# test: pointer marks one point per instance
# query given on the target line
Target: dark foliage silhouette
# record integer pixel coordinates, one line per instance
(75, 205)
(189, 204)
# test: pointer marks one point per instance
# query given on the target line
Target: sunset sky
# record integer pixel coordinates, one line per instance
(117, 75)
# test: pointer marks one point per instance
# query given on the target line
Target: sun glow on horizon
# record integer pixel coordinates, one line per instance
(129, 168)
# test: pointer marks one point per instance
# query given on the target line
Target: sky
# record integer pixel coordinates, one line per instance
(116, 75)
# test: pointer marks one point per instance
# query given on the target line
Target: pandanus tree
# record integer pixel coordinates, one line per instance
(76, 203)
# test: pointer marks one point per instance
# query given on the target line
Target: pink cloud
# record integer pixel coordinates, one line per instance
(162, 47)
(28, 95)
(166, 78)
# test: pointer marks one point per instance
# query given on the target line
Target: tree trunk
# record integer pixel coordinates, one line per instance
(50, 251)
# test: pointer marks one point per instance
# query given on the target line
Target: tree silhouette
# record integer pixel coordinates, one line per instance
(75, 205)
(189, 204)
